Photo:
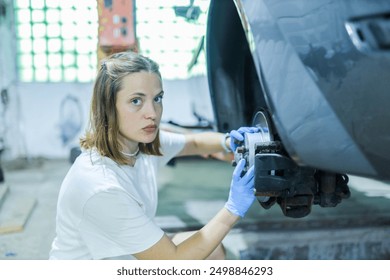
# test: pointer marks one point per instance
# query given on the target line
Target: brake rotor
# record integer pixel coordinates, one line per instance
(260, 121)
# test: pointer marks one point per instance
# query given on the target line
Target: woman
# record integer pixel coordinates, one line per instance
(108, 199)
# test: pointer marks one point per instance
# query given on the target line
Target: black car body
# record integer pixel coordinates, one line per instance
(321, 71)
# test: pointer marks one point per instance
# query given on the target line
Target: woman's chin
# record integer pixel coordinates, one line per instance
(148, 138)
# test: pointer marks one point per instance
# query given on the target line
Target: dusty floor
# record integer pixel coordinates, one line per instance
(192, 191)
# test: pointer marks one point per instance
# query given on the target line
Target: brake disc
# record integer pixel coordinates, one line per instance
(251, 140)
(260, 120)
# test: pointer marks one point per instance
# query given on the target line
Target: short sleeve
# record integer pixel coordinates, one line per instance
(171, 145)
(114, 224)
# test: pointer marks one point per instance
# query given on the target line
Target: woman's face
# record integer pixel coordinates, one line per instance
(139, 107)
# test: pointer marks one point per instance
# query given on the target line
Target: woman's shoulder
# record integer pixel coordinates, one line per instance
(94, 172)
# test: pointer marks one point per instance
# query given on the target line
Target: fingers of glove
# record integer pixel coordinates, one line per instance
(249, 176)
(247, 129)
(246, 189)
(250, 187)
(238, 170)
(236, 135)
(241, 198)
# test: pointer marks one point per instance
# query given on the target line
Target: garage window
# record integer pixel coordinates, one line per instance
(57, 40)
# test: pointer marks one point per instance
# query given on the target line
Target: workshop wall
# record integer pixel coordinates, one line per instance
(7, 75)
(42, 119)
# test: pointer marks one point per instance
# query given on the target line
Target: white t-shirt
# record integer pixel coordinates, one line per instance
(106, 210)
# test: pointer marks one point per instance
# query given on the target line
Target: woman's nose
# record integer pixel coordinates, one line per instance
(150, 111)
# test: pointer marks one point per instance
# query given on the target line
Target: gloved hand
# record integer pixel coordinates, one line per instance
(241, 195)
(237, 136)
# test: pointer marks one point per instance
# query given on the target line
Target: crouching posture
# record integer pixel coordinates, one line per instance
(108, 199)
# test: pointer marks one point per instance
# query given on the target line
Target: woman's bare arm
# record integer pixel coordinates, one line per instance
(198, 246)
(204, 143)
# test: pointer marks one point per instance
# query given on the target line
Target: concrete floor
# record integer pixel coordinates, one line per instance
(192, 191)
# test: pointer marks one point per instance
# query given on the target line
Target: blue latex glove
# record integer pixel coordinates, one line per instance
(237, 136)
(241, 195)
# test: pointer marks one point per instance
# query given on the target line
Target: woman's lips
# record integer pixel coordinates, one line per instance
(150, 128)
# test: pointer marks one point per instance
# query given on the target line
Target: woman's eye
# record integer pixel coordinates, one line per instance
(158, 99)
(136, 101)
